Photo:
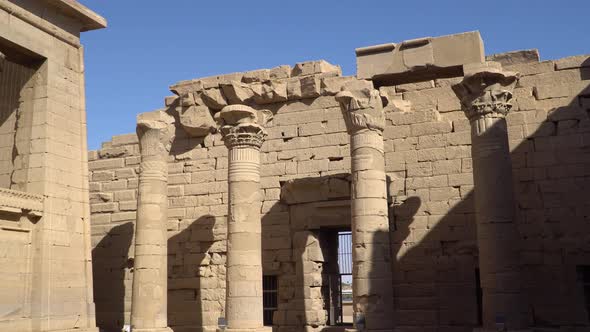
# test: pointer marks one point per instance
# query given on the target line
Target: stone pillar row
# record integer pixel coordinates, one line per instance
(150, 280)
(371, 256)
(485, 94)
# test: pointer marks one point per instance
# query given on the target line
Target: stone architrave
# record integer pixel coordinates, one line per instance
(485, 94)
(149, 297)
(371, 257)
(243, 133)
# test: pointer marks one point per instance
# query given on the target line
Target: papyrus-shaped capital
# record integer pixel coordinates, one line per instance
(243, 126)
(362, 106)
(486, 90)
(155, 131)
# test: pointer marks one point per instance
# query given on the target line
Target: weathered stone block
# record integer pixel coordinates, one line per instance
(419, 54)
(213, 98)
(314, 67)
(442, 99)
(573, 62)
(280, 72)
(106, 164)
(125, 139)
(515, 57)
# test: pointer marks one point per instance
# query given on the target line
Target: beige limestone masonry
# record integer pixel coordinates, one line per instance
(371, 255)
(45, 262)
(422, 54)
(486, 94)
(305, 177)
(150, 274)
(243, 133)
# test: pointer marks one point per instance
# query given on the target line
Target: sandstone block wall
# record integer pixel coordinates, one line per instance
(305, 169)
(45, 262)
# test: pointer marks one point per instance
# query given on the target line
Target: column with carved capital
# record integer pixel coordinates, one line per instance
(371, 257)
(243, 133)
(149, 297)
(485, 94)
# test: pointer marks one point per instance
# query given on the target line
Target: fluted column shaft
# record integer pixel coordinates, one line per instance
(149, 297)
(371, 256)
(244, 256)
(486, 101)
(243, 136)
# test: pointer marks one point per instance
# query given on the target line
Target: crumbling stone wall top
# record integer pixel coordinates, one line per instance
(263, 86)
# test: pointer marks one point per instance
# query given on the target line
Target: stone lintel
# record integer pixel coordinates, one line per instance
(419, 55)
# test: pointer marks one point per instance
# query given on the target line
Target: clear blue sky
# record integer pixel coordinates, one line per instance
(151, 44)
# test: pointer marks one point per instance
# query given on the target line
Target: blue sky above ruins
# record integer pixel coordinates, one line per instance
(151, 44)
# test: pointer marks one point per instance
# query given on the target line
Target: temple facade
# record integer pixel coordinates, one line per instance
(445, 188)
(437, 189)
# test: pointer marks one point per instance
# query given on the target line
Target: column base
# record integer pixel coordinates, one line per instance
(481, 329)
(259, 329)
(352, 329)
(154, 329)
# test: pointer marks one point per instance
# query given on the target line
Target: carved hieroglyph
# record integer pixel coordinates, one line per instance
(485, 94)
(243, 134)
(149, 298)
(372, 277)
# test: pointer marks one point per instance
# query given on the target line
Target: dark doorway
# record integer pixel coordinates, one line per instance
(583, 274)
(340, 283)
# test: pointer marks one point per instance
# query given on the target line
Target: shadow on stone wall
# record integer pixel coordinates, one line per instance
(318, 207)
(189, 276)
(110, 284)
(436, 256)
(434, 266)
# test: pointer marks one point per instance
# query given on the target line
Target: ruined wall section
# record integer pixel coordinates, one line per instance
(307, 139)
(429, 164)
(304, 178)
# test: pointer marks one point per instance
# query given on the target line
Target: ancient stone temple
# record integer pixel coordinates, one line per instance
(439, 189)
(45, 249)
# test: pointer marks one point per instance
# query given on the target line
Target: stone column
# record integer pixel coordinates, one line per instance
(243, 134)
(372, 285)
(485, 94)
(150, 286)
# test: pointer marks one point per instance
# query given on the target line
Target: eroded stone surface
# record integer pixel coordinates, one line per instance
(150, 277)
(305, 193)
(243, 133)
(419, 54)
(485, 93)
(362, 107)
(46, 275)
